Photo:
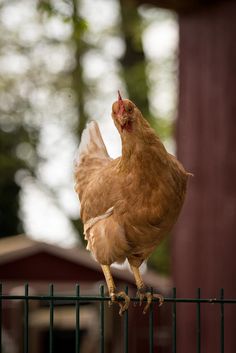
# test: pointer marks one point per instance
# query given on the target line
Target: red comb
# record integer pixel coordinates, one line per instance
(121, 103)
(119, 96)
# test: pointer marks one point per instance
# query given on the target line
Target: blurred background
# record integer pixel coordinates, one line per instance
(61, 64)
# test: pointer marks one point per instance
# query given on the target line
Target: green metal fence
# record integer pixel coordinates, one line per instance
(51, 298)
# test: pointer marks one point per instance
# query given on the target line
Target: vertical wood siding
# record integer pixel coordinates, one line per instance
(204, 243)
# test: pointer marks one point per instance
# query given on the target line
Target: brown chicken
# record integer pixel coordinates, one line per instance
(130, 203)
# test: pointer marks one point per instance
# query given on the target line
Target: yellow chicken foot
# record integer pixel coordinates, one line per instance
(113, 293)
(143, 291)
(122, 304)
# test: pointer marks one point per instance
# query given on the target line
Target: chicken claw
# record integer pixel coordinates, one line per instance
(122, 304)
(149, 296)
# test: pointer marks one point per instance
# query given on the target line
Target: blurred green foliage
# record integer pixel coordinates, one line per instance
(160, 258)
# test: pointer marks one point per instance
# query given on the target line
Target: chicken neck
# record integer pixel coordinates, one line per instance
(142, 150)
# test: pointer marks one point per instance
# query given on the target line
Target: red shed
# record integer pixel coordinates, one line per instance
(25, 260)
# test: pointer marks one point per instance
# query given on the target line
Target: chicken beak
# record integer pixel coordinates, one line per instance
(121, 105)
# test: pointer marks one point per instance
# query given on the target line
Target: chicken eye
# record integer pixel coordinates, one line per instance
(130, 109)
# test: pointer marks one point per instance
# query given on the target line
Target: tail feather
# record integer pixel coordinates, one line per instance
(91, 144)
(91, 156)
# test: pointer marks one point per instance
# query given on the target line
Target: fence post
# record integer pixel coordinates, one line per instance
(126, 327)
(0, 317)
(77, 320)
(102, 319)
(174, 322)
(151, 326)
(51, 323)
(198, 323)
(26, 319)
(222, 328)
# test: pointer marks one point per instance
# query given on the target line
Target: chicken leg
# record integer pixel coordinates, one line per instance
(112, 291)
(143, 291)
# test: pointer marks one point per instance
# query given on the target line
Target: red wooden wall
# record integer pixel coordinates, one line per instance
(204, 245)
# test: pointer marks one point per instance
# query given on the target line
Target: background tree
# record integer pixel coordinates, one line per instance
(10, 222)
(17, 138)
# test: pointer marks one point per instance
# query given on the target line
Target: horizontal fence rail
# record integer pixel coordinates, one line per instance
(51, 298)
